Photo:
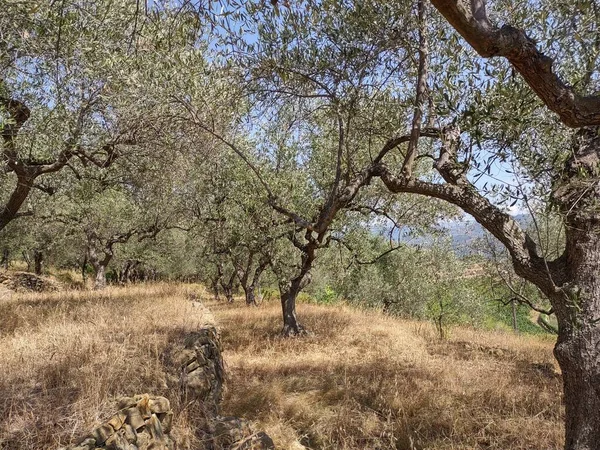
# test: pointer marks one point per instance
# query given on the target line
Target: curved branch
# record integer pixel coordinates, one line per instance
(470, 19)
(521, 247)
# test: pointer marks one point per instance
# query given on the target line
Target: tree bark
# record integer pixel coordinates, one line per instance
(5, 258)
(250, 289)
(577, 309)
(577, 348)
(38, 259)
(228, 287)
(215, 287)
(84, 269)
(99, 266)
(513, 305)
(291, 326)
(99, 276)
(249, 292)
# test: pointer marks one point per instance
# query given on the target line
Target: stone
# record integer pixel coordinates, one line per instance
(192, 366)
(117, 442)
(159, 405)
(229, 430)
(143, 405)
(166, 420)
(130, 433)
(102, 433)
(118, 420)
(154, 427)
(134, 418)
(87, 444)
(126, 402)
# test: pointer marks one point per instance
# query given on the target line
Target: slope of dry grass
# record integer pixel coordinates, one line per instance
(361, 381)
(67, 355)
(366, 381)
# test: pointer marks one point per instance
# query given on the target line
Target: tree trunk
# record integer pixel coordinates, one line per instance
(289, 293)
(38, 259)
(577, 348)
(215, 288)
(291, 327)
(27, 260)
(576, 300)
(99, 276)
(5, 258)
(84, 269)
(513, 305)
(18, 196)
(228, 292)
(251, 289)
(250, 295)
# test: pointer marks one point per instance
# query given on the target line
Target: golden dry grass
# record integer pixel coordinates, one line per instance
(366, 381)
(67, 355)
(361, 381)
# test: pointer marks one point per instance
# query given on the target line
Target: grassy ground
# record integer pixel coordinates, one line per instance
(361, 381)
(67, 355)
(366, 381)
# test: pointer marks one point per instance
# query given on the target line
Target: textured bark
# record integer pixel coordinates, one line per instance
(470, 19)
(215, 288)
(421, 93)
(5, 258)
(577, 300)
(249, 293)
(17, 198)
(577, 350)
(291, 326)
(99, 276)
(38, 259)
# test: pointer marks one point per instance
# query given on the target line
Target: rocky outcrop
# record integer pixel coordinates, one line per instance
(144, 422)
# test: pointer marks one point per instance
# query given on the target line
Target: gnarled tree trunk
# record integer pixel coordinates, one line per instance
(38, 260)
(5, 258)
(291, 326)
(577, 302)
(99, 276)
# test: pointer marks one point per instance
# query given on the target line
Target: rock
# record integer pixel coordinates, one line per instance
(117, 442)
(159, 405)
(201, 368)
(129, 433)
(229, 430)
(102, 433)
(126, 402)
(166, 419)
(134, 418)
(118, 420)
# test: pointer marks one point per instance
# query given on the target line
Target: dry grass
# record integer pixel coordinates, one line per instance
(67, 355)
(366, 381)
(362, 381)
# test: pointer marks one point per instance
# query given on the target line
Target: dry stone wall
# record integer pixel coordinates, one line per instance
(144, 422)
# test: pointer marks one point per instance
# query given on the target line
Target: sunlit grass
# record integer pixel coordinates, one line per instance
(361, 380)
(367, 381)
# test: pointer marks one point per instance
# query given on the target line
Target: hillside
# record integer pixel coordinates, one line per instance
(366, 381)
(360, 381)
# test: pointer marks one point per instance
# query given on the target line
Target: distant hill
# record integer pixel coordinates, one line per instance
(465, 233)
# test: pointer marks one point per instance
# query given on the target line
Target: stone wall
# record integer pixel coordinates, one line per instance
(144, 422)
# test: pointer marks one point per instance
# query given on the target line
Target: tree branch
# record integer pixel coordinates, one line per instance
(521, 247)
(409, 160)
(470, 19)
